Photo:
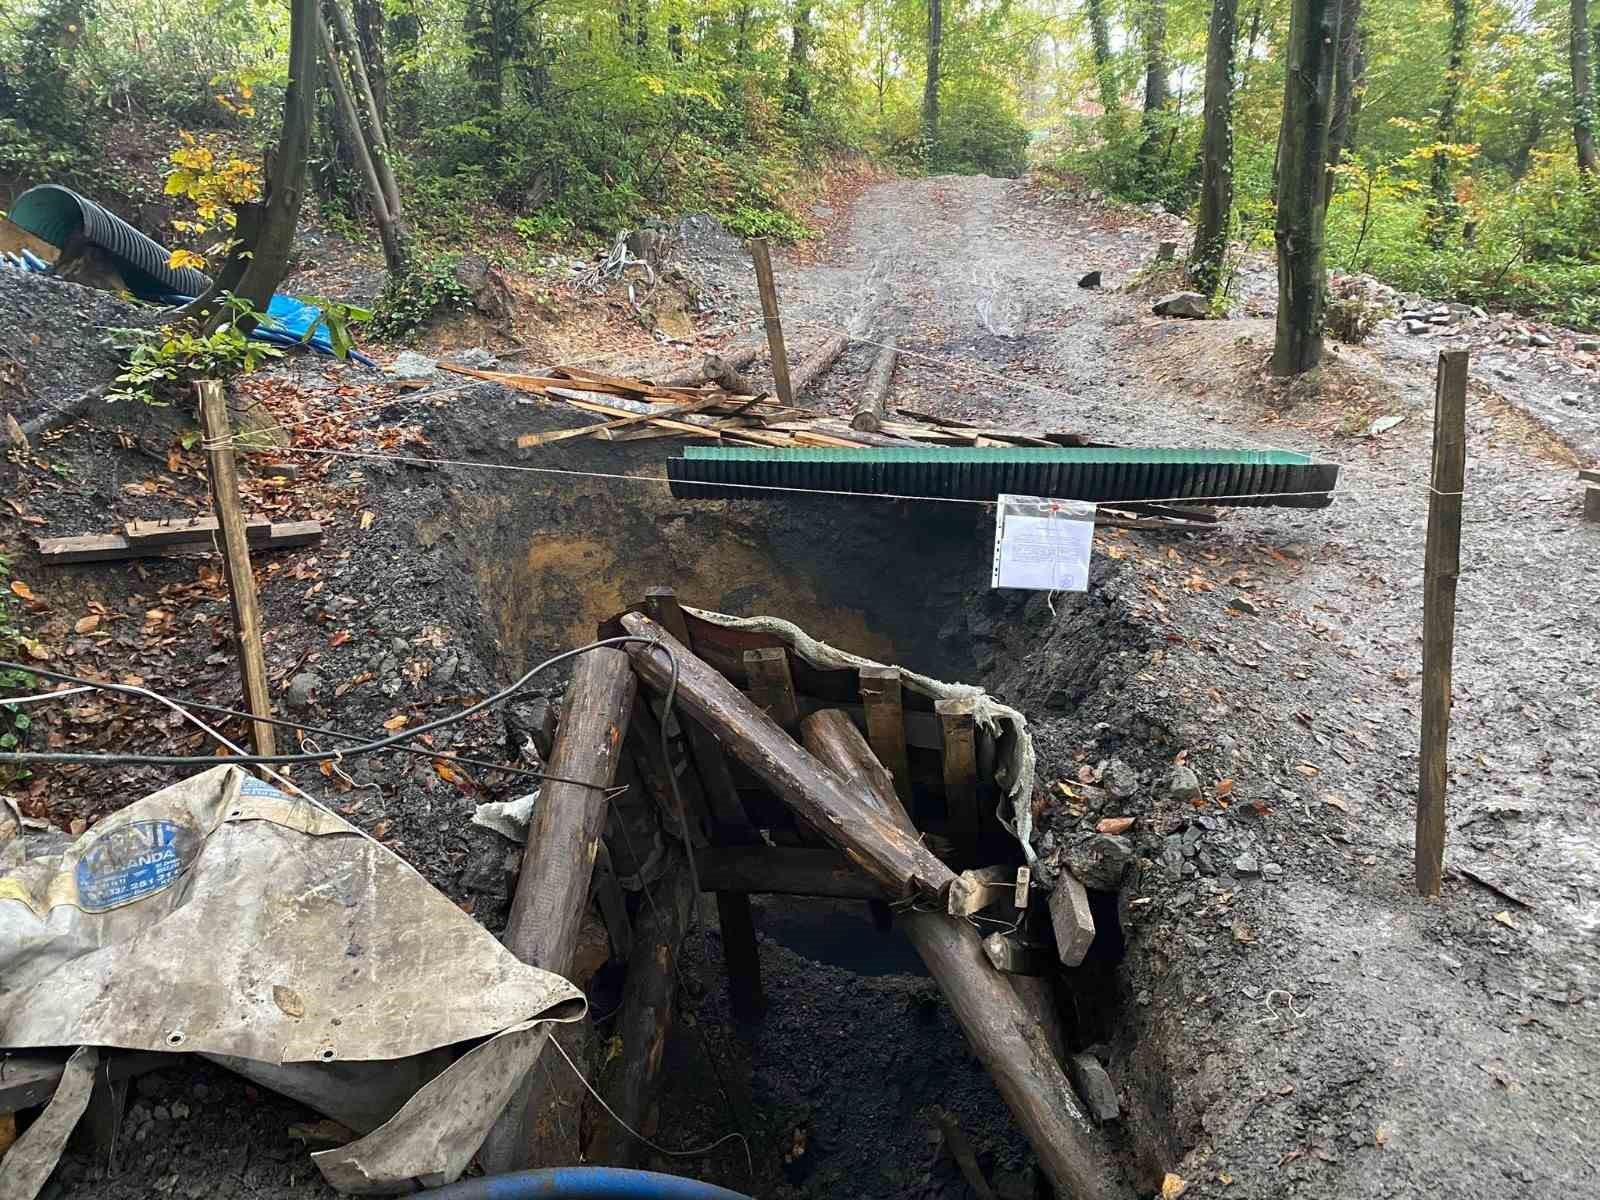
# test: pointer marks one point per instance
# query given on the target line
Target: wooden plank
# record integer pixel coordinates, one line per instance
(190, 529)
(1591, 503)
(730, 824)
(28, 1080)
(761, 256)
(960, 764)
(560, 435)
(1589, 475)
(552, 892)
(772, 685)
(236, 560)
(886, 725)
(839, 808)
(1005, 1032)
(1442, 567)
(115, 547)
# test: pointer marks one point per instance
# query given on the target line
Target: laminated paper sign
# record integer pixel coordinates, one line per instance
(1042, 544)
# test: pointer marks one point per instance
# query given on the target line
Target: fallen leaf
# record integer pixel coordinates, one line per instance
(339, 638)
(445, 771)
(1224, 788)
(366, 519)
(87, 624)
(398, 721)
(35, 648)
(380, 830)
(288, 1000)
(1381, 1137)
(1114, 825)
(1173, 1186)
(1504, 917)
(1334, 800)
(76, 826)
(21, 589)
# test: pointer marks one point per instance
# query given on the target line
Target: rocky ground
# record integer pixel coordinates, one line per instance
(1284, 1016)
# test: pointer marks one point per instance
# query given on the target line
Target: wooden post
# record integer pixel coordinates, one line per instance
(1442, 567)
(839, 808)
(1009, 1037)
(772, 684)
(761, 256)
(236, 559)
(960, 764)
(886, 725)
(558, 863)
(741, 954)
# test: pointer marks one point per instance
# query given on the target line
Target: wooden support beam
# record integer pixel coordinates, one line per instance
(236, 560)
(886, 725)
(761, 256)
(840, 809)
(558, 861)
(960, 764)
(974, 891)
(1589, 475)
(730, 825)
(1007, 1036)
(1442, 567)
(648, 999)
(870, 409)
(117, 547)
(772, 685)
(784, 871)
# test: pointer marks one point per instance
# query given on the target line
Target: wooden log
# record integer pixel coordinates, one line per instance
(1007, 1035)
(772, 684)
(762, 257)
(832, 736)
(784, 871)
(961, 1150)
(707, 370)
(189, 529)
(960, 764)
(974, 891)
(116, 547)
(648, 996)
(874, 400)
(730, 824)
(558, 862)
(886, 725)
(821, 360)
(840, 809)
(1441, 568)
(236, 561)
(1071, 919)
(1591, 502)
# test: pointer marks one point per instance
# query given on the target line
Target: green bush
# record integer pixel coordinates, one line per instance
(410, 301)
(979, 134)
(750, 221)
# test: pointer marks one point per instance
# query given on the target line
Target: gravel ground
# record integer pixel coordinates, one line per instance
(1287, 1019)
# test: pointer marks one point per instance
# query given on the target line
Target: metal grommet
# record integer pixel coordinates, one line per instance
(326, 1054)
(175, 1038)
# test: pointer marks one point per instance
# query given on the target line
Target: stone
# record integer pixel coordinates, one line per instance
(161, 1113)
(1172, 857)
(475, 357)
(1246, 866)
(1543, 341)
(1114, 825)
(1570, 399)
(1094, 1087)
(445, 672)
(1272, 870)
(1072, 920)
(1182, 304)
(412, 367)
(300, 689)
(1183, 783)
(1414, 326)
(1100, 860)
(400, 646)
(1089, 280)
(1240, 604)
(179, 1110)
(1119, 780)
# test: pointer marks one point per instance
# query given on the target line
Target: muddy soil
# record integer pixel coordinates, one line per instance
(1284, 1017)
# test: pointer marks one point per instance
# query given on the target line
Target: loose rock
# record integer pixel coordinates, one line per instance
(1182, 304)
(1090, 280)
(1100, 860)
(300, 689)
(1183, 783)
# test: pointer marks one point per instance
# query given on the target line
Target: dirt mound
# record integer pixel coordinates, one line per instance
(53, 340)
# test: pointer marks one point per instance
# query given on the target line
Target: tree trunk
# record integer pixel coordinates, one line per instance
(1582, 88)
(394, 255)
(370, 21)
(1100, 41)
(1216, 151)
(930, 86)
(265, 233)
(797, 87)
(1307, 110)
(405, 34)
(741, 43)
(483, 58)
(377, 144)
(1446, 210)
(1250, 47)
(1346, 91)
(1156, 95)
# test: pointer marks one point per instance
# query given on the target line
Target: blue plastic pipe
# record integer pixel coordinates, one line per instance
(583, 1183)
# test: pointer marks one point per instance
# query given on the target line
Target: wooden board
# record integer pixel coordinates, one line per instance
(189, 529)
(111, 547)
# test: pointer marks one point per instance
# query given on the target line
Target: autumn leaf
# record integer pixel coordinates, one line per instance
(1334, 800)
(35, 648)
(339, 638)
(367, 519)
(21, 589)
(87, 624)
(398, 721)
(1173, 1186)
(1224, 789)
(445, 771)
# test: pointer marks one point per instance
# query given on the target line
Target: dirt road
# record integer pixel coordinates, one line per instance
(1320, 1030)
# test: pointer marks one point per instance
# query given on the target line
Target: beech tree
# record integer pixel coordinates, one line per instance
(1216, 179)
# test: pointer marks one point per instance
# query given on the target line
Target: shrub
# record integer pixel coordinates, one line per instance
(410, 301)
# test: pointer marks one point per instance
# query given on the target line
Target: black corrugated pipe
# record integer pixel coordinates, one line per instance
(55, 214)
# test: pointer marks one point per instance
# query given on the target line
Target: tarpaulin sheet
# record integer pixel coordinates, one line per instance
(222, 917)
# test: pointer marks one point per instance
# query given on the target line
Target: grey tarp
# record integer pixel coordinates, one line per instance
(222, 917)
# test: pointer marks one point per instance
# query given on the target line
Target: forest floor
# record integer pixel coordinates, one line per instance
(1286, 1018)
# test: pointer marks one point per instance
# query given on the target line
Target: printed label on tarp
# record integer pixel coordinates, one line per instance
(134, 861)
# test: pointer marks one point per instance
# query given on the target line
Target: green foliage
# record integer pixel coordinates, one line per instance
(337, 318)
(14, 722)
(161, 362)
(750, 221)
(409, 302)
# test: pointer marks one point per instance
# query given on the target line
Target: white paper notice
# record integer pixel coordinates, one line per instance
(1042, 544)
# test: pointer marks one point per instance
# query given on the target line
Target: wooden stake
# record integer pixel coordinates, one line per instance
(886, 725)
(960, 764)
(1442, 567)
(760, 255)
(236, 559)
